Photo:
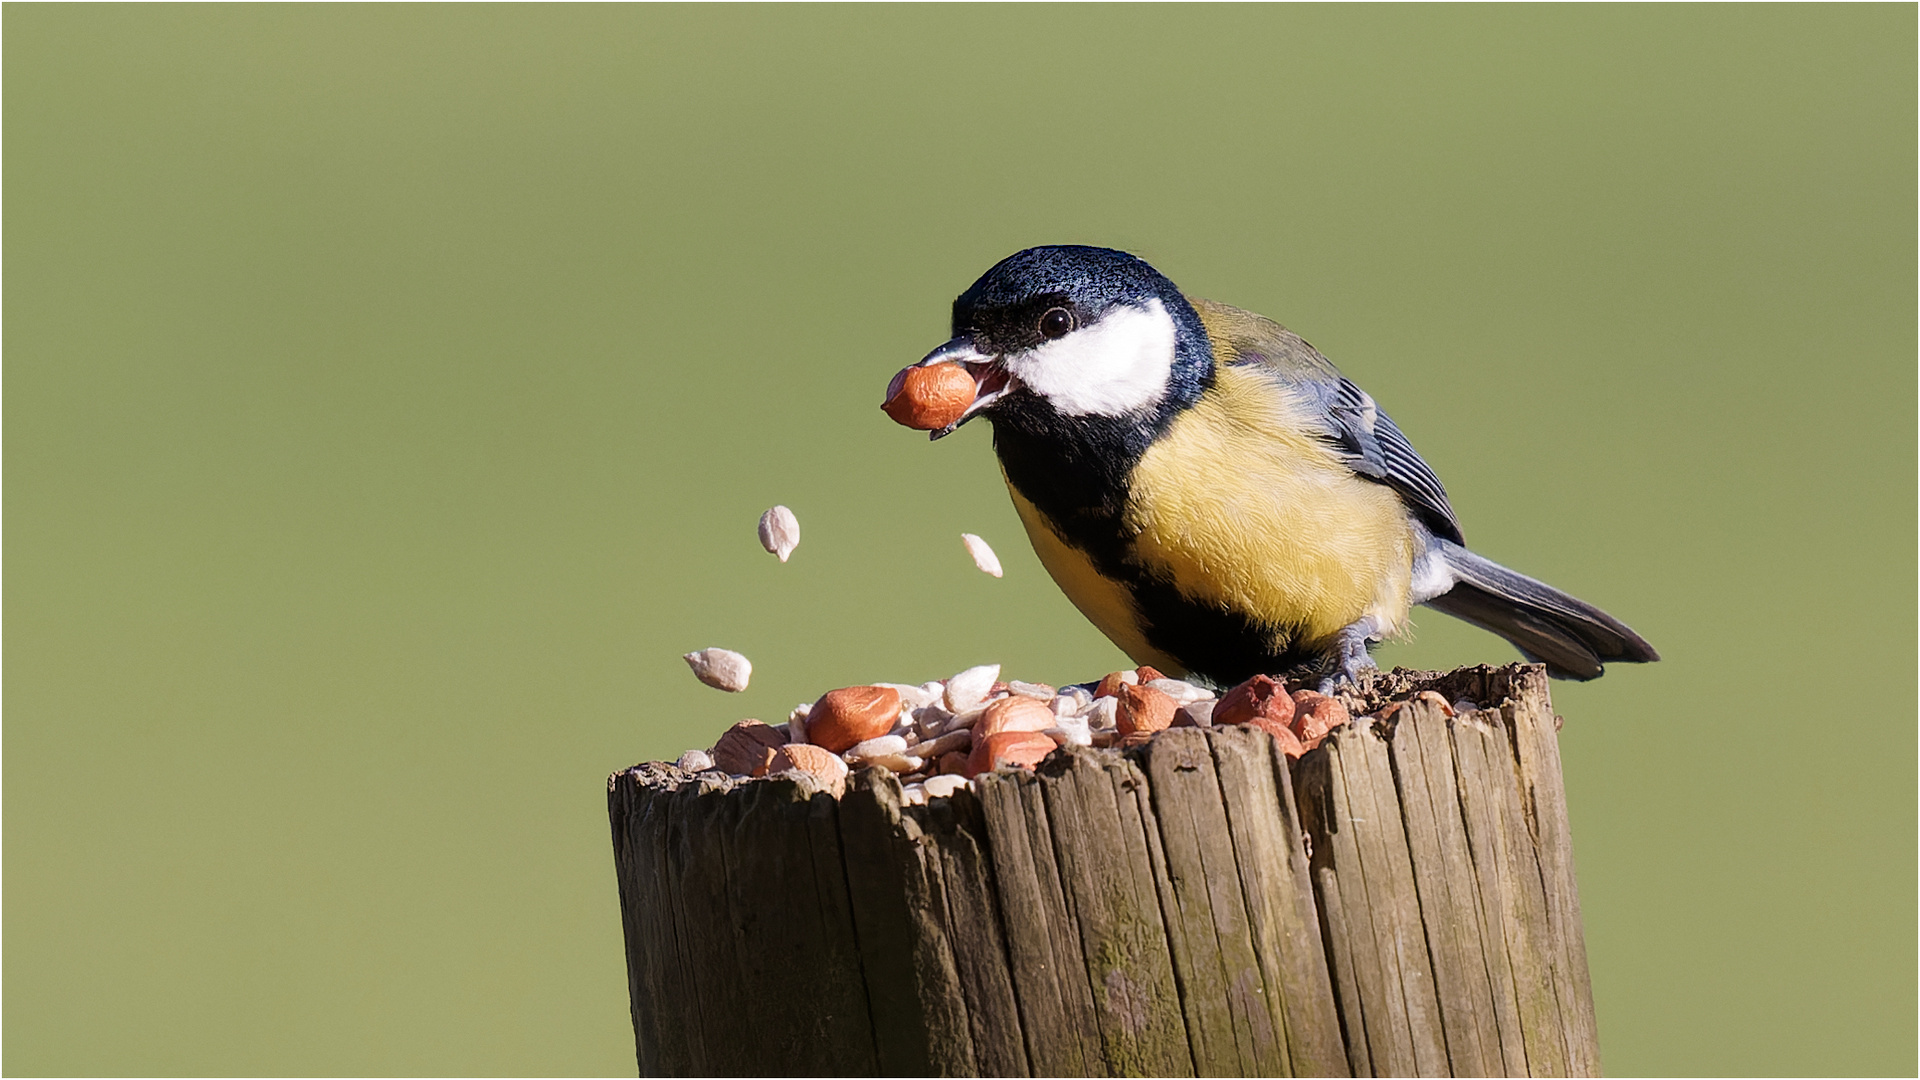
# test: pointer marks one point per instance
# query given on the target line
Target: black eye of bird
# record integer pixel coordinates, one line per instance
(1056, 322)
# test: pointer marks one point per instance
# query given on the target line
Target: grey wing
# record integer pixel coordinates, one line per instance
(1369, 441)
(1375, 448)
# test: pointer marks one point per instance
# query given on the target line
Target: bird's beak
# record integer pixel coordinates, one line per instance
(991, 380)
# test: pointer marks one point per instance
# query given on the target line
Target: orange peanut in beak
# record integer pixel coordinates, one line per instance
(929, 398)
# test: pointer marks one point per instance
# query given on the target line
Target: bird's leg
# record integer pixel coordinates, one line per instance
(1352, 658)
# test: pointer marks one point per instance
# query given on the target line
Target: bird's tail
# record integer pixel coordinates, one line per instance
(1573, 638)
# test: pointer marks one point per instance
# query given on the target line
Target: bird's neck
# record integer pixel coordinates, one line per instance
(1076, 469)
(1073, 469)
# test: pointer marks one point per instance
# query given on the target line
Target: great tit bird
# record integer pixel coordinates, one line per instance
(1211, 492)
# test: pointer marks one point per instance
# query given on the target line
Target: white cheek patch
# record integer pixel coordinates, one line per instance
(1115, 366)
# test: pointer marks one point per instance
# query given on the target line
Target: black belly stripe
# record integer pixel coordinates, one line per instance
(1074, 470)
(1225, 647)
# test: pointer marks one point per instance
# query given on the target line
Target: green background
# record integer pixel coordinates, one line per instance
(390, 394)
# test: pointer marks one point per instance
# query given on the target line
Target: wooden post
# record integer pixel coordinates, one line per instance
(1399, 901)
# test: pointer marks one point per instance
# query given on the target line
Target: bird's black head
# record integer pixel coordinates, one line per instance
(1062, 332)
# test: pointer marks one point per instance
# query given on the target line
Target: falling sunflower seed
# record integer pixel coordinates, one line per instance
(722, 669)
(779, 532)
(983, 556)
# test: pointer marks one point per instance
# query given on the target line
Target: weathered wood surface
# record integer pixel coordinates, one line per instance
(1443, 866)
(1399, 901)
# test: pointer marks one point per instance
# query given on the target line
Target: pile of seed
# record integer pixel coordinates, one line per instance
(939, 735)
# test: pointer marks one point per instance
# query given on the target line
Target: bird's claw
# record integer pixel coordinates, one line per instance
(1352, 656)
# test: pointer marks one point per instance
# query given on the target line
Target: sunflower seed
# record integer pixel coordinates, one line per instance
(912, 696)
(931, 720)
(942, 787)
(970, 688)
(1180, 690)
(983, 556)
(1070, 732)
(883, 746)
(966, 720)
(1200, 712)
(722, 669)
(952, 740)
(1104, 714)
(779, 532)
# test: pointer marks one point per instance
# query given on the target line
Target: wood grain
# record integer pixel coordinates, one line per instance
(1056, 1009)
(1101, 851)
(1231, 1029)
(920, 1025)
(1399, 901)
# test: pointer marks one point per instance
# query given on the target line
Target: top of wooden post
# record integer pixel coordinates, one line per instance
(1399, 900)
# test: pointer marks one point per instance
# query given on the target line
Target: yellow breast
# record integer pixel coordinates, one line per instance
(1241, 506)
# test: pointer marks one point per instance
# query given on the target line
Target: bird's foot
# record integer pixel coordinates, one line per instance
(1352, 655)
